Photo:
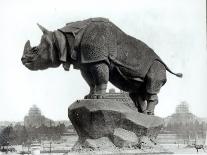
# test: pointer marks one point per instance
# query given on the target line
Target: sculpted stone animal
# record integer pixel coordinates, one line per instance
(102, 52)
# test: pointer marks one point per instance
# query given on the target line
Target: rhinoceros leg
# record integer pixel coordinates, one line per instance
(89, 79)
(97, 76)
(155, 79)
(139, 101)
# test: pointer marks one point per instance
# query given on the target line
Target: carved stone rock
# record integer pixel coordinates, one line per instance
(124, 138)
(108, 123)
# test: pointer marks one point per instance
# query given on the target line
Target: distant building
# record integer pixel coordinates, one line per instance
(182, 115)
(182, 108)
(181, 127)
(36, 119)
(120, 96)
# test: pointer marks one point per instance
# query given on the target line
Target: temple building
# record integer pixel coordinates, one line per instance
(182, 108)
(182, 115)
(182, 127)
(36, 119)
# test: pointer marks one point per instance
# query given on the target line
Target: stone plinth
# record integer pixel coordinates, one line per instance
(108, 123)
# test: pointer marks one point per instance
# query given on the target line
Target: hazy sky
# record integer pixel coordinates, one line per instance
(175, 29)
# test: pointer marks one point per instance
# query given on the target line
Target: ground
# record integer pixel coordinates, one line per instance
(175, 148)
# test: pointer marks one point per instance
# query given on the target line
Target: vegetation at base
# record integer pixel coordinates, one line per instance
(19, 134)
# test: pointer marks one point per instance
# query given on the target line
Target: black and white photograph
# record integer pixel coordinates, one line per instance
(111, 77)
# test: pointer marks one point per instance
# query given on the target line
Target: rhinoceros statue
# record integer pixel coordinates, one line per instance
(102, 52)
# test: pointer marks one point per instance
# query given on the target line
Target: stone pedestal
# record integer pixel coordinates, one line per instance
(111, 124)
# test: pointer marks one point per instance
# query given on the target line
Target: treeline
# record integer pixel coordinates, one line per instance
(188, 129)
(19, 134)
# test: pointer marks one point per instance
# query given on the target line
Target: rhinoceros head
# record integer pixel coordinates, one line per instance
(42, 56)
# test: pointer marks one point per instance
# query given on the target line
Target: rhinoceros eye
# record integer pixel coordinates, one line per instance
(34, 50)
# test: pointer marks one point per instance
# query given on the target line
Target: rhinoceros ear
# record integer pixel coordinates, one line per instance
(44, 30)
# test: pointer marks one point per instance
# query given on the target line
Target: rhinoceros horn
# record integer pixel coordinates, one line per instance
(44, 30)
(27, 47)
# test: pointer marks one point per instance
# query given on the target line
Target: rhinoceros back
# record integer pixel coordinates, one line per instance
(88, 45)
(133, 56)
(98, 42)
(105, 41)
(93, 42)
(98, 39)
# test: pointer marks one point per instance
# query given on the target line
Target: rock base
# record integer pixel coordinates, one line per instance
(107, 124)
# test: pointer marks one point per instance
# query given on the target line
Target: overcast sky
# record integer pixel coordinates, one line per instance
(175, 29)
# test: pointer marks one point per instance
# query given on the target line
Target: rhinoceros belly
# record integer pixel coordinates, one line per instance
(123, 82)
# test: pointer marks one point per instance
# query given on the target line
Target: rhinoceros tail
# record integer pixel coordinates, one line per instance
(180, 75)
